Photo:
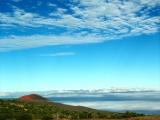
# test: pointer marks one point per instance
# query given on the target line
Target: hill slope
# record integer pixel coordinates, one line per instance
(33, 97)
(33, 107)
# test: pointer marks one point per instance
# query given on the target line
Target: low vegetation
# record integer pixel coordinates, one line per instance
(44, 110)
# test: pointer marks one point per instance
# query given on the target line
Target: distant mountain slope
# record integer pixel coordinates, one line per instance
(33, 107)
(32, 97)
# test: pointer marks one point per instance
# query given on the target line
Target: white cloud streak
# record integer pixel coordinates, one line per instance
(58, 54)
(16, 42)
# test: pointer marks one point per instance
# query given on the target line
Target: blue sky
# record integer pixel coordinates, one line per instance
(79, 44)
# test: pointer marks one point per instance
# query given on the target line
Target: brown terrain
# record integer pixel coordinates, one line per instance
(33, 97)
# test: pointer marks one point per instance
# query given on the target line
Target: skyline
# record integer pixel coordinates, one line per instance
(79, 44)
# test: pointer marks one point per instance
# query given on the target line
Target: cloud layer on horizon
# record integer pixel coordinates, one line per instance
(74, 22)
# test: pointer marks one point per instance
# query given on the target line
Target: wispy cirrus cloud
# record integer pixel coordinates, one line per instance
(81, 21)
(58, 54)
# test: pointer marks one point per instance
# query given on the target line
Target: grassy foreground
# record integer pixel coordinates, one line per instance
(45, 110)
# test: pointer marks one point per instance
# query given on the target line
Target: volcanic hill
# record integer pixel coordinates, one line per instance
(33, 97)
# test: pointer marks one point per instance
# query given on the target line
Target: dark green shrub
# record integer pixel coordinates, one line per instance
(23, 116)
(47, 117)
